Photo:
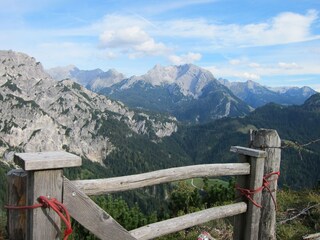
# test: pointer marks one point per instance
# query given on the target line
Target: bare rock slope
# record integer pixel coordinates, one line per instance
(41, 114)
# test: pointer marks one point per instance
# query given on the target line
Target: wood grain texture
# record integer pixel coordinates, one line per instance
(248, 151)
(43, 223)
(315, 236)
(239, 225)
(91, 216)
(253, 213)
(117, 184)
(176, 224)
(46, 160)
(17, 219)
(269, 141)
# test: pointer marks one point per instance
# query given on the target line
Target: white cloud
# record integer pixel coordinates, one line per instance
(289, 66)
(247, 76)
(227, 72)
(254, 65)
(284, 28)
(235, 61)
(129, 35)
(150, 47)
(125, 37)
(215, 71)
(185, 58)
(133, 40)
(110, 55)
(164, 6)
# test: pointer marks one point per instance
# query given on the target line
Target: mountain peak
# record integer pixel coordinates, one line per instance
(105, 79)
(188, 77)
(113, 71)
(21, 70)
(251, 84)
(62, 72)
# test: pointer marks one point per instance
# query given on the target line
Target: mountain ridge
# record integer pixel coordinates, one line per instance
(184, 82)
(41, 114)
(257, 95)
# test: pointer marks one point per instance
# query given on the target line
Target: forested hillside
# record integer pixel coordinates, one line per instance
(296, 125)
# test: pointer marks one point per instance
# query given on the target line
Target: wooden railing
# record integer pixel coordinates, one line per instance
(42, 176)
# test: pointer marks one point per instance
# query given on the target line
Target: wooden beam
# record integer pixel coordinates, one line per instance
(91, 216)
(179, 223)
(314, 236)
(248, 151)
(46, 160)
(117, 184)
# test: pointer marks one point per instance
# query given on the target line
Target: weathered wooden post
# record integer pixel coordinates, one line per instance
(17, 220)
(269, 141)
(43, 178)
(246, 225)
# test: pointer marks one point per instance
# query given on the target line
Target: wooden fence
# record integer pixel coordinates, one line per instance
(42, 176)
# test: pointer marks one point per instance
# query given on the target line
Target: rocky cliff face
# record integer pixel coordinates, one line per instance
(40, 114)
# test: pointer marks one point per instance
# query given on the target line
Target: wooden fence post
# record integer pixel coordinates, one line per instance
(246, 225)
(268, 140)
(44, 178)
(17, 220)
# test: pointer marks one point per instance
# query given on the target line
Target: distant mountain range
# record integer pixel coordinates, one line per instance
(93, 79)
(257, 95)
(188, 92)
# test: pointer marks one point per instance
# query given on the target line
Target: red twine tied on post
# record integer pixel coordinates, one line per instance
(56, 206)
(248, 193)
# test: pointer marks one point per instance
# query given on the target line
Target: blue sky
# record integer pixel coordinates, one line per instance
(276, 43)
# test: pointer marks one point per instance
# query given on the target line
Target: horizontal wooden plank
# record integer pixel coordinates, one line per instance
(91, 216)
(46, 160)
(177, 224)
(248, 151)
(118, 184)
(315, 236)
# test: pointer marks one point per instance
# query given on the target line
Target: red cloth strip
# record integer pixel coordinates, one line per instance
(55, 205)
(248, 193)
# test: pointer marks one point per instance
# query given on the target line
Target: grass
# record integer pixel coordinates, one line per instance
(290, 204)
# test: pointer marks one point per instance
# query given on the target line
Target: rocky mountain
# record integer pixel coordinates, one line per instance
(41, 114)
(171, 83)
(187, 92)
(92, 79)
(257, 95)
